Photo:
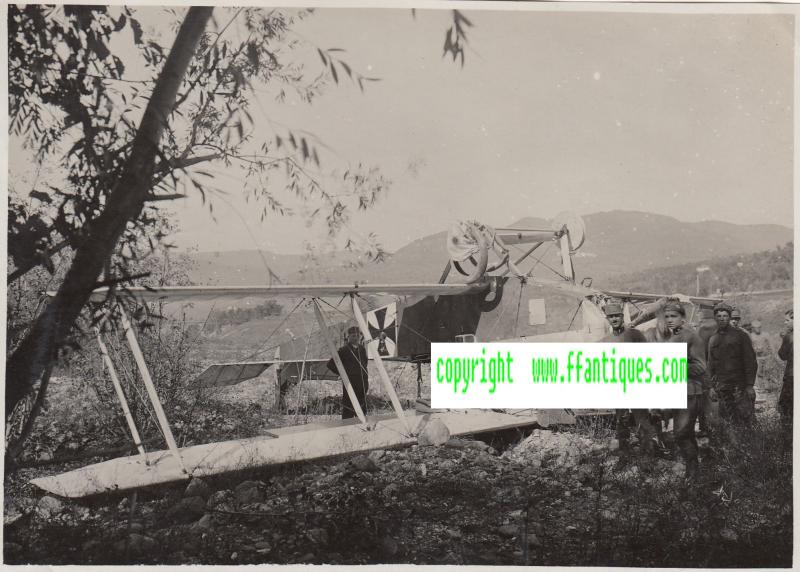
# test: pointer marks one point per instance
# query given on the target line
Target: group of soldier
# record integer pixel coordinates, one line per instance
(723, 362)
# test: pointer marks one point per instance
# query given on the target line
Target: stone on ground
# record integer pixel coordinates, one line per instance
(434, 433)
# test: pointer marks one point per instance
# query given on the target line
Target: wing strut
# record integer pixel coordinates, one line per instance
(387, 383)
(332, 348)
(121, 396)
(151, 389)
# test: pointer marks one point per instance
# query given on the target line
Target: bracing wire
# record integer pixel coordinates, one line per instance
(575, 314)
(519, 304)
(131, 379)
(540, 261)
(263, 348)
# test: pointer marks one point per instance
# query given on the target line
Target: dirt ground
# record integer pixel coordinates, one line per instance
(540, 497)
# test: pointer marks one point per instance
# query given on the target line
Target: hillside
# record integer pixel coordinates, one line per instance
(766, 270)
(628, 241)
(249, 267)
(617, 242)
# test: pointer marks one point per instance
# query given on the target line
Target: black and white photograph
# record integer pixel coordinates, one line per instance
(239, 238)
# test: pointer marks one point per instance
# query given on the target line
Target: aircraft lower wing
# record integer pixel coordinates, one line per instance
(225, 374)
(282, 445)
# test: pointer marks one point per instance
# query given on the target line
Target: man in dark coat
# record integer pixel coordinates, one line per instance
(624, 417)
(684, 419)
(354, 359)
(705, 329)
(786, 353)
(736, 318)
(732, 368)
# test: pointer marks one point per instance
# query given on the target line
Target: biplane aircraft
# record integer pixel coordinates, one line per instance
(495, 297)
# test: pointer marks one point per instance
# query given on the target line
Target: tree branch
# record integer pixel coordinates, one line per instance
(22, 271)
(183, 163)
(124, 204)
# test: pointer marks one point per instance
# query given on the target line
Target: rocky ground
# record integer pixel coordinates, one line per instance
(545, 497)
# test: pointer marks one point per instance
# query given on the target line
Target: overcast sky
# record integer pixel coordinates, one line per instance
(685, 115)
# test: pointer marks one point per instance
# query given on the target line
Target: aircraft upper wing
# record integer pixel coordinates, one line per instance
(187, 293)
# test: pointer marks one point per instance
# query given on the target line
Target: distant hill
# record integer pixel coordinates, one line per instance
(623, 250)
(628, 241)
(767, 270)
(250, 268)
(617, 242)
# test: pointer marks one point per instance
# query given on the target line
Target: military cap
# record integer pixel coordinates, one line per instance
(674, 305)
(722, 307)
(736, 313)
(613, 307)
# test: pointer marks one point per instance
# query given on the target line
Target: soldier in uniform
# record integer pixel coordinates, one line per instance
(684, 419)
(625, 417)
(760, 340)
(762, 348)
(354, 359)
(786, 353)
(732, 368)
(659, 332)
(736, 317)
(706, 328)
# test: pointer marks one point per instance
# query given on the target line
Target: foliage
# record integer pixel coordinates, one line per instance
(238, 315)
(168, 351)
(67, 90)
(456, 37)
(24, 298)
(75, 95)
(127, 143)
(61, 77)
(768, 270)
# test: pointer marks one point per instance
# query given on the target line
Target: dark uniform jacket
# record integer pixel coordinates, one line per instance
(731, 359)
(696, 358)
(705, 330)
(625, 336)
(355, 363)
(786, 353)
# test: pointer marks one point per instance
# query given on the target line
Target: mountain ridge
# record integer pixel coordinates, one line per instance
(618, 241)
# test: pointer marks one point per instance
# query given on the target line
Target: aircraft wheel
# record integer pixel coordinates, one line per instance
(474, 267)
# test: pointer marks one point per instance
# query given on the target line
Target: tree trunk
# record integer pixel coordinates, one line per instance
(15, 448)
(124, 204)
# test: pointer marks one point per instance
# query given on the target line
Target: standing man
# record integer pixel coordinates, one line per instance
(355, 361)
(760, 340)
(705, 329)
(684, 419)
(786, 353)
(762, 348)
(732, 368)
(658, 333)
(736, 317)
(641, 417)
